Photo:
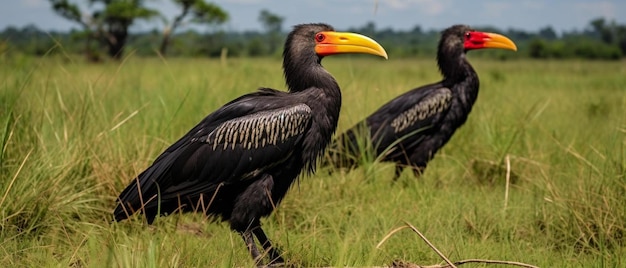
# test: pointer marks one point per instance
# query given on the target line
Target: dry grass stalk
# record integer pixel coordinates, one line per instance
(508, 181)
(449, 264)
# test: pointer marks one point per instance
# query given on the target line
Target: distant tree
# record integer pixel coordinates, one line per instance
(201, 11)
(610, 33)
(538, 49)
(369, 29)
(603, 30)
(108, 21)
(273, 25)
(547, 33)
(621, 38)
(270, 21)
(417, 30)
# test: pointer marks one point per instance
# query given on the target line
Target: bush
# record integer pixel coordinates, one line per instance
(574, 48)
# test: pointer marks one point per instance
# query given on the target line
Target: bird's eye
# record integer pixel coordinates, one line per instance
(468, 35)
(320, 37)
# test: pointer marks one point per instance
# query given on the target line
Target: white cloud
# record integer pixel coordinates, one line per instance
(34, 3)
(430, 7)
(497, 9)
(533, 4)
(597, 8)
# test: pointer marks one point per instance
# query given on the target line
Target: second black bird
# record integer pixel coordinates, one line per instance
(411, 128)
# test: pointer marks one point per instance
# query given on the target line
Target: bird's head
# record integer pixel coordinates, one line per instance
(307, 44)
(457, 40)
(463, 36)
(322, 40)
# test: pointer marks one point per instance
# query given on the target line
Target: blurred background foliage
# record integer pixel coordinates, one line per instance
(197, 31)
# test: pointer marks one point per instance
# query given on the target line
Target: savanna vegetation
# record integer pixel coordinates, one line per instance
(104, 30)
(537, 174)
(602, 39)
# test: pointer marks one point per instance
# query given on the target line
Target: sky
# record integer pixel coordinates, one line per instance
(528, 15)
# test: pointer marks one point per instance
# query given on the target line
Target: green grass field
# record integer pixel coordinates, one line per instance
(74, 134)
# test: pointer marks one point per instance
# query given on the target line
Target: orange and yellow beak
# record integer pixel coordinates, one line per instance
(330, 43)
(478, 40)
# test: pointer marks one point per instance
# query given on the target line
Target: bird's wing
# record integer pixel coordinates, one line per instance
(239, 149)
(236, 142)
(406, 118)
(241, 106)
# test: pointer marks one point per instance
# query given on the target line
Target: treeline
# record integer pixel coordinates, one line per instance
(600, 40)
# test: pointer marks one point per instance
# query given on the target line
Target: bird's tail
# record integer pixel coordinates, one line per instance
(148, 193)
(141, 195)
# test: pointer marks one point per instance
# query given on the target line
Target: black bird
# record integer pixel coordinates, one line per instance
(238, 162)
(411, 128)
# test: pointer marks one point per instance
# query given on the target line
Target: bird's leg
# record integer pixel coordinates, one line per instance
(254, 251)
(275, 258)
(418, 170)
(399, 169)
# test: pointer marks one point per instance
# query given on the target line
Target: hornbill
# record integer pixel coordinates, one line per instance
(239, 161)
(411, 128)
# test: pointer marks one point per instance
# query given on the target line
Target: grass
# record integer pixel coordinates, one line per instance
(74, 134)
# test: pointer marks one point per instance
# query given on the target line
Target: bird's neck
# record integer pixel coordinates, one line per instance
(306, 74)
(453, 65)
(318, 89)
(322, 92)
(459, 76)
